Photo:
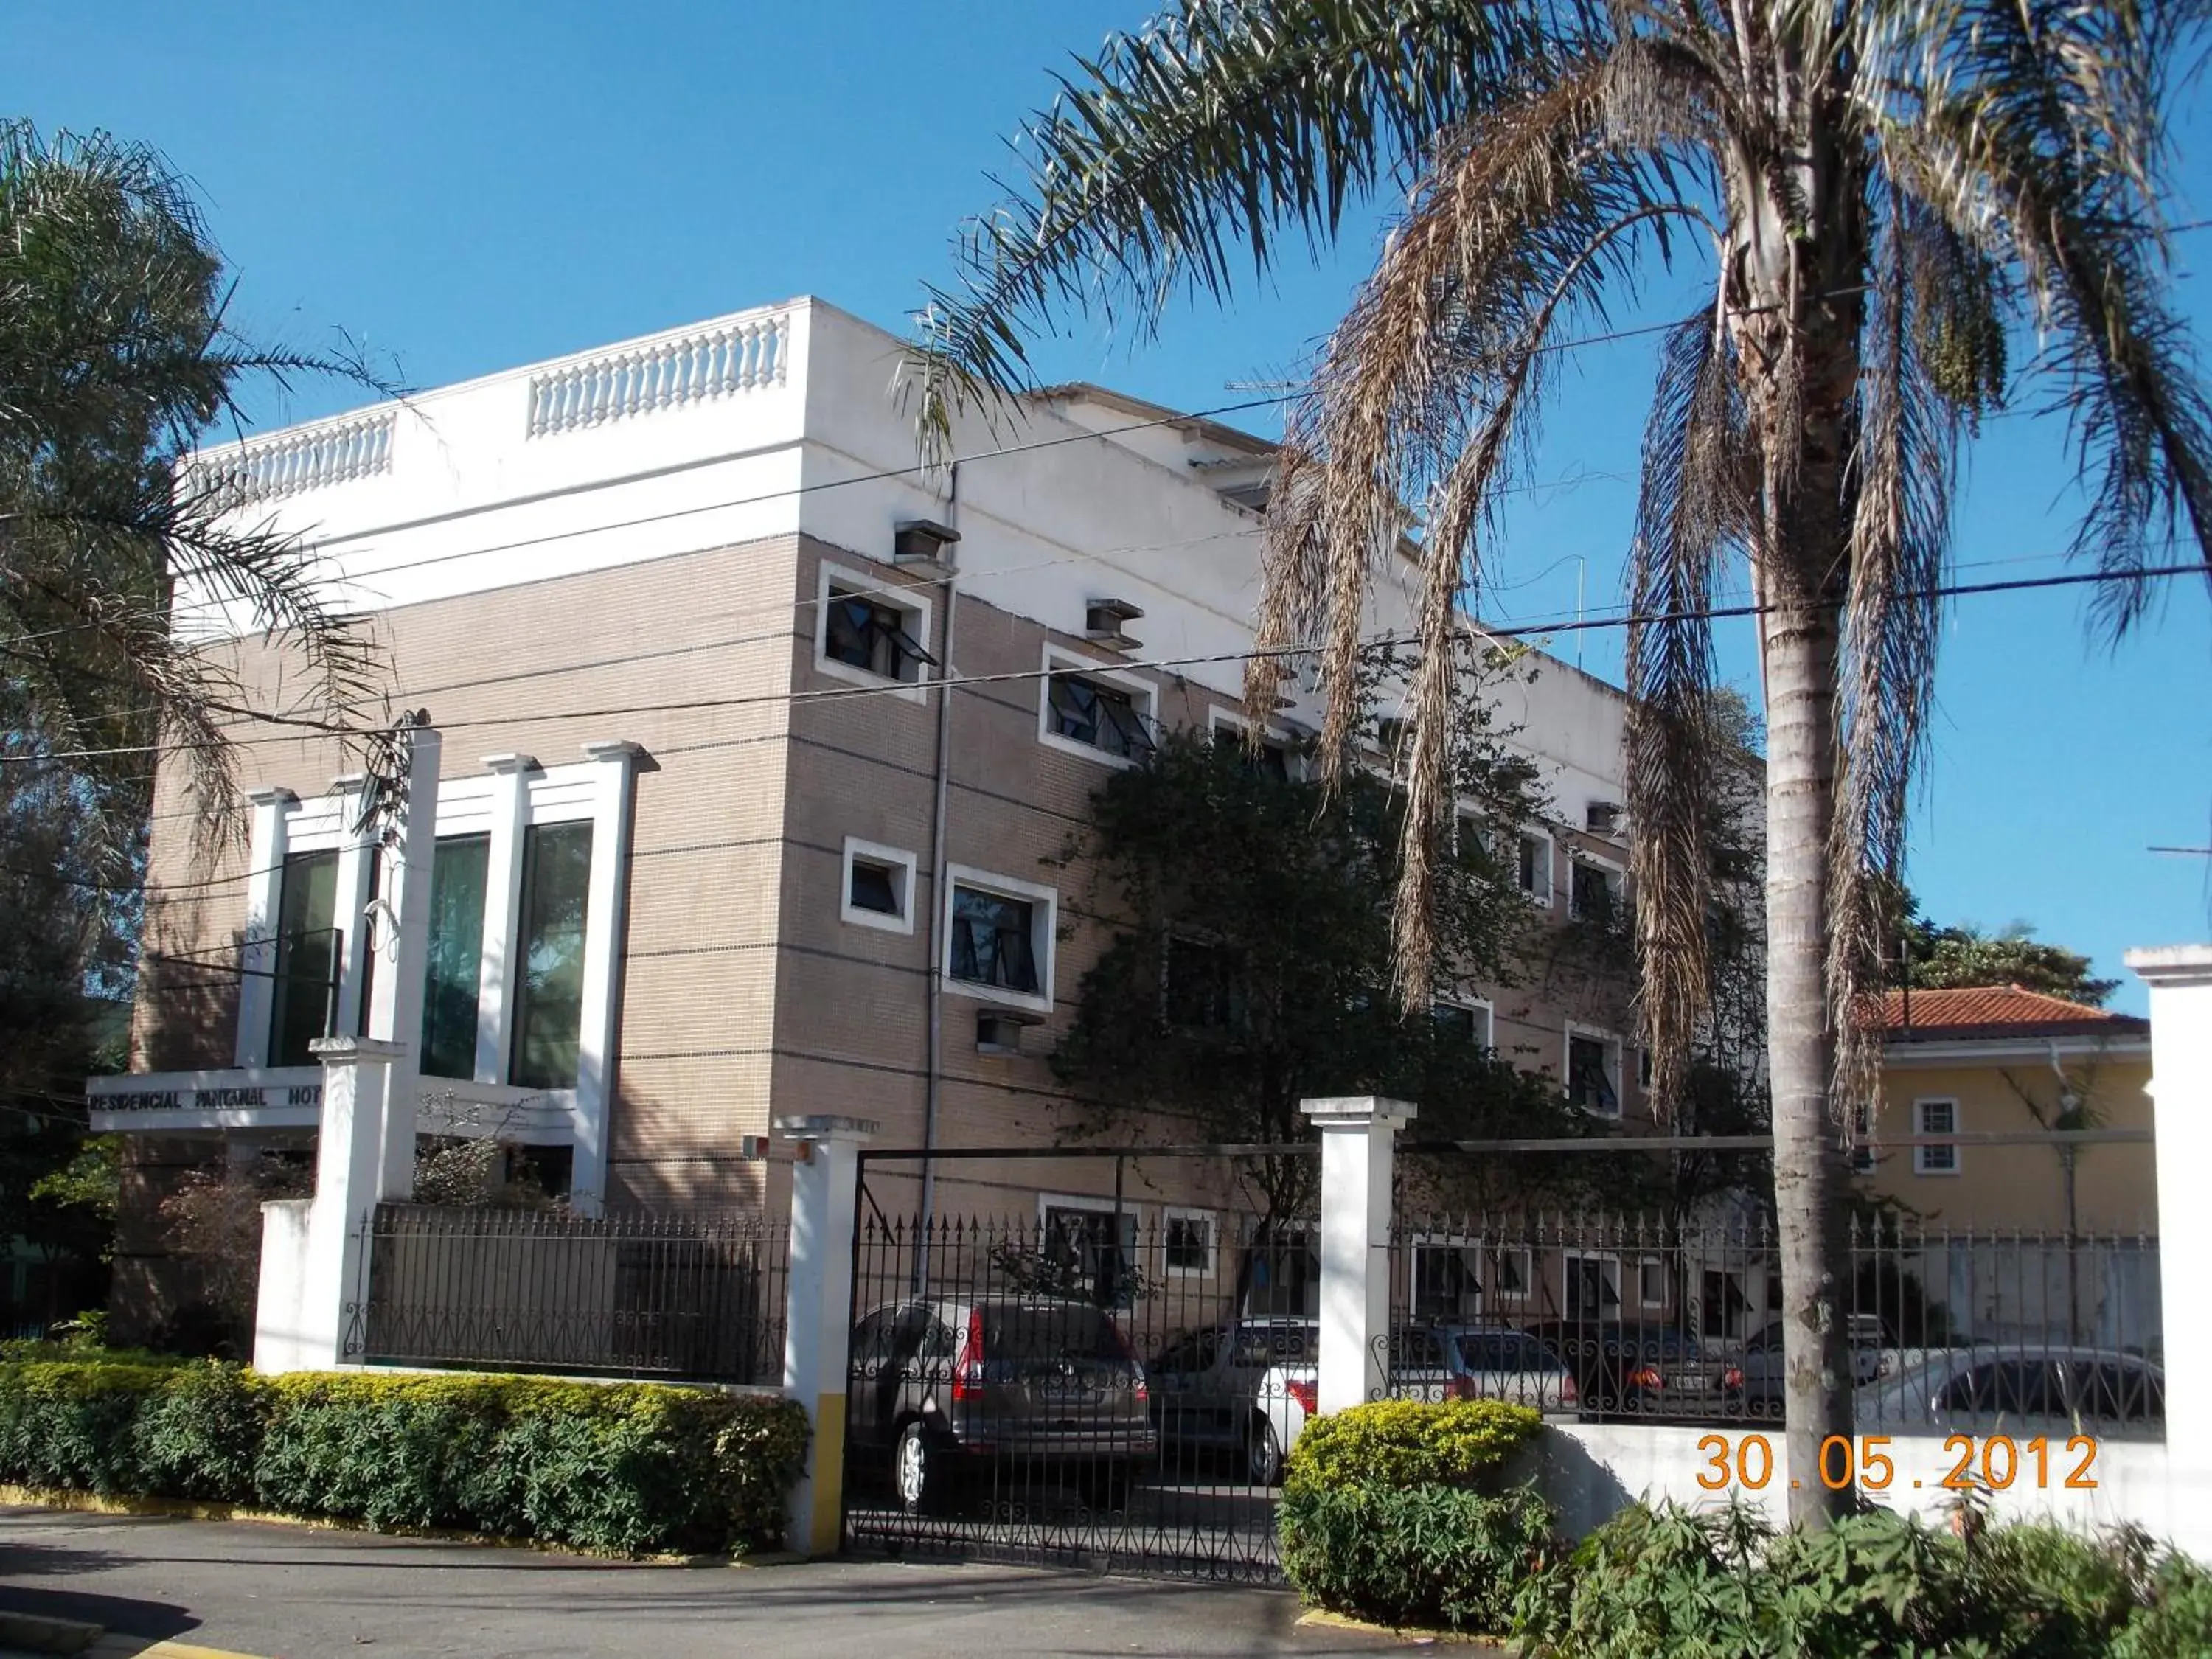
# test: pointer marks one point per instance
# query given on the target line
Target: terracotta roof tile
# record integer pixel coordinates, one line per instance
(1997, 1011)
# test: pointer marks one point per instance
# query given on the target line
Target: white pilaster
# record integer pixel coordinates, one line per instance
(599, 1027)
(818, 1317)
(264, 898)
(510, 816)
(300, 1319)
(1359, 1138)
(2180, 980)
(396, 998)
(356, 869)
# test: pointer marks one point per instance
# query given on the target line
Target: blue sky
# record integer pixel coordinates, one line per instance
(467, 187)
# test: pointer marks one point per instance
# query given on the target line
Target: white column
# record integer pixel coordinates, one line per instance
(1359, 1137)
(510, 816)
(396, 999)
(819, 1317)
(2180, 980)
(301, 1320)
(356, 865)
(599, 1026)
(264, 899)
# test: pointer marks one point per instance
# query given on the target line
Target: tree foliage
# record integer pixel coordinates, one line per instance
(1943, 958)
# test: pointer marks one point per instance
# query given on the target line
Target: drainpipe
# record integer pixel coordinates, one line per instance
(934, 1065)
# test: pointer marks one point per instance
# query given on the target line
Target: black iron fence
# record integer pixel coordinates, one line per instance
(1644, 1318)
(1081, 1385)
(694, 1298)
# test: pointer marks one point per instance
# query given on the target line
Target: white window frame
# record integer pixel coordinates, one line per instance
(1611, 1040)
(1609, 1268)
(1218, 719)
(1642, 1262)
(1541, 894)
(915, 603)
(1479, 1006)
(1044, 930)
(1616, 876)
(1169, 1216)
(1921, 1166)
(1144, 695)
(896, 858)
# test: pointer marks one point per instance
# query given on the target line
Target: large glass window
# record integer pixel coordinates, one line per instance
(867, 633)
(1593, 1068)
(456, 962)
(1102, 716)
(992, 943)
(556, 873)
(307, 956)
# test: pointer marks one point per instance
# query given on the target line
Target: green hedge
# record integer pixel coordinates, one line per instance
(1390, 1512)
(628, 1467)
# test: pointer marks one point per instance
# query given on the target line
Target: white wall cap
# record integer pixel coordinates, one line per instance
(2173, 965)
(1338, 1110)
(613, 748)
(510, 763)
(823, 1126)
(343, 1049)
(271, 794)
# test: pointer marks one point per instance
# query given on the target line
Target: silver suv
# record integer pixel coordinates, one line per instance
(1018, 1386)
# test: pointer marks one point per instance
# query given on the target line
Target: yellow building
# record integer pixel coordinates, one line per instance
(2005, 1059)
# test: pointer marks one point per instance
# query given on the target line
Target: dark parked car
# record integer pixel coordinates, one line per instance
(1026, 1386)
(1245, 1389)
(1623, 1366)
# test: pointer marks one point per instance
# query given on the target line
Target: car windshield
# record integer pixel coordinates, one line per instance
(1049, 1330)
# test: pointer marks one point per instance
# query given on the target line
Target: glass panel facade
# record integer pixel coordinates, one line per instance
(456, 962)
(307, 956)
(556, 872)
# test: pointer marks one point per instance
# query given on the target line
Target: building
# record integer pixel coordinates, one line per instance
(2001, 1058)
(711, 849)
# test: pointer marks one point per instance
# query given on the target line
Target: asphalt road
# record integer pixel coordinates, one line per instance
(293, 1593)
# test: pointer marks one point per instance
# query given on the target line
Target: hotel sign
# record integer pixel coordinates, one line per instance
(228, 1097)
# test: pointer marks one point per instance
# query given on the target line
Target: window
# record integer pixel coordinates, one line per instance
(878, 887)
(1089, 712)
(455, 969)
(1593, 893)
(1593, 1073)
(1651, 1282)
(1592, 1284)
(1935, 1117)
(1272, 759)
(556, 875)
(1188, 1242)
(2004, 1388)
(863, 631)
(1392, 736)
(869, 633)
(307, 956)
(1443, 1276)
(1511, 1277)
(1535, 865)
(1863, 1139)
(1088, 1251)
(998, 937)
(1470, 1022)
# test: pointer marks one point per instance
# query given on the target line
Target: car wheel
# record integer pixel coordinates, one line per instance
(918, 1474)
(1263, 1453)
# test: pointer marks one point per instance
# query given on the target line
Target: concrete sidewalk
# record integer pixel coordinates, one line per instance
(293, 1592)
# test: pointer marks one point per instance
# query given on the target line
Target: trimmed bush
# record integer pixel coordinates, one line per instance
(628, 1467)
(2176, 1621)
(1390, 1513)
(1408, 1442)
(1424, 1555)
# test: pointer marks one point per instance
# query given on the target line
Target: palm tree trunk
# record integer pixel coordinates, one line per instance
(1810, 1181)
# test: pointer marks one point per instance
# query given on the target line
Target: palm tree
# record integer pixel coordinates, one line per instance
(114, 359)
(1886, 191)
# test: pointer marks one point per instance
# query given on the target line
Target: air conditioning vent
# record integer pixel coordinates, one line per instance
(1103, 620)
(999, 1030)
(921, 545)
(1605, 817)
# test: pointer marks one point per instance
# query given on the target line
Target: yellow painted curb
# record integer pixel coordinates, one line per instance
(137, 1647)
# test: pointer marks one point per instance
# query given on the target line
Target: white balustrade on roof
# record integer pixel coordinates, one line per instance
(717, 362)
(302, 457)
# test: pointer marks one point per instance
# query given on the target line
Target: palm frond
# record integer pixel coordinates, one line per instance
(1695, 506)
(1182, 149)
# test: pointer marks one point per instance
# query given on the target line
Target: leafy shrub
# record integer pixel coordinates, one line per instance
(628, 1467)
(1421, 1555)
(2175, 1621)
(1408, 1442)
(1722, 1585)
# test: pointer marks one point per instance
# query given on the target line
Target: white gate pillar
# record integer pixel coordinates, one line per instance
(2180, 980)
(314, 1265)
(819, 1316)
(1358, 1138)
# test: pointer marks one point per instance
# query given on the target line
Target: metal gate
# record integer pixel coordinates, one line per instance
(1108, 1381)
